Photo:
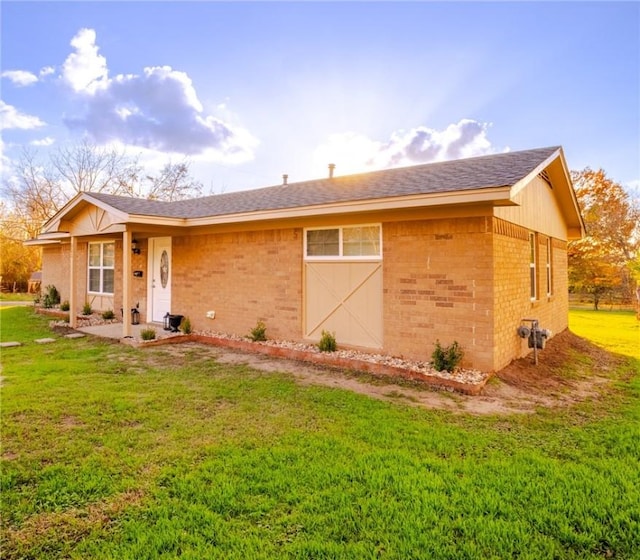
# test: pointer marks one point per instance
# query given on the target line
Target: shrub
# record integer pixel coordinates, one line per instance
(327, 342)
(108, 314)
(65, 306)
(259, 332)
(185, 325)
(447, 358)
(148, 334)
(86, 309)
(51, 296)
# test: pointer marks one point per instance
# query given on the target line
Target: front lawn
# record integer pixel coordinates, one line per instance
(114, 452)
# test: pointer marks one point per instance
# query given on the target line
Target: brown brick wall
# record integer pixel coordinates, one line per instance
(244, 277)
(438, 286)
(440, 278)
(55, 268)
(512, 290)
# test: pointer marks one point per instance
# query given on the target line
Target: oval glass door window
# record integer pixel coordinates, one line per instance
(164, 269)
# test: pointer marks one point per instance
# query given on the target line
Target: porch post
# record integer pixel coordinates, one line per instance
(73, 311)
(126, 283)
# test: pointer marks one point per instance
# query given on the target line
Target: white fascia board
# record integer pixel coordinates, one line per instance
(135, 219)
(119, 214)
(522, 183)
(572, 193)
(54, 222)
(40, 242)
(497, 195)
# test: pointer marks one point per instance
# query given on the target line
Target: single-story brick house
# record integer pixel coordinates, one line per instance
(390, 261)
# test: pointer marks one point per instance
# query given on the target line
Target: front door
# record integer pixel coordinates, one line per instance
(159, 277)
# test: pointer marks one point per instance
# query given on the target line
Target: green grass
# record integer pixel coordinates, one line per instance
(16, 297)
(113, 452)
(618, 331)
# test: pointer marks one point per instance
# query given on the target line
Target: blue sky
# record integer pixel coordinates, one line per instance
(251, 90)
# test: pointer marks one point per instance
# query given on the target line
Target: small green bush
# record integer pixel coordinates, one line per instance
(108, 314)
(447, 358)
(185, 325)
(259, 332)
(148, 334)
(86, 309)
(327, 342)
(51, 296)
(65, 306)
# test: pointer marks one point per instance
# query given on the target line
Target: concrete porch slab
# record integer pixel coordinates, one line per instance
(114, 330)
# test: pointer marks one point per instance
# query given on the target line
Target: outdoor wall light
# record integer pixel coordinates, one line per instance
(134, 247)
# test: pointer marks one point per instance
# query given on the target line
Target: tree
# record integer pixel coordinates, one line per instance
(598, 263)
(37, 190)
(87, 167)
(173, 183)
(17, 262)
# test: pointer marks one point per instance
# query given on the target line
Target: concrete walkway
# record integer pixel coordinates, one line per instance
(114, 330)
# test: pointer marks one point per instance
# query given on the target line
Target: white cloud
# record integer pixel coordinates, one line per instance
(46, 71)
(47, 141)
(10, 117)
(20, 77)
(354, 153)
(158, 110)
(85, 70)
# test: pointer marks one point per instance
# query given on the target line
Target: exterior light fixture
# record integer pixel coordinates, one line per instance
(134, 247)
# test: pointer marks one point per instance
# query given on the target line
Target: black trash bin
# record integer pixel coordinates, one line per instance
(172, 322)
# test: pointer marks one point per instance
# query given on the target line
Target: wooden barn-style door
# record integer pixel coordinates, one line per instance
(344, 298)
(343, 284)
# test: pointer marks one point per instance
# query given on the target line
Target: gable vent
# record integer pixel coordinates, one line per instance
(545, 177)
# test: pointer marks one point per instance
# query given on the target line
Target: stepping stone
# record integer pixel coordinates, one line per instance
(75, 335)
(44, 340)
(9, 344)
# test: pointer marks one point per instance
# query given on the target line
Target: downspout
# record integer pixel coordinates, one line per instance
(73, 311)
(126, 284)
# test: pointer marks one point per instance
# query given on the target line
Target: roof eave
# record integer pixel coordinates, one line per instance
(47, 239)
(567, 199)
(67, 211)
(494, 195)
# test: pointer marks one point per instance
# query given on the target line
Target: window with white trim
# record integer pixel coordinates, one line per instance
(346, 242)
(101, 267)
(532, 266)
(549, 269)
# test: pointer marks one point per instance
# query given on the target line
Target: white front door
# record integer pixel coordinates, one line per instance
(159, 277)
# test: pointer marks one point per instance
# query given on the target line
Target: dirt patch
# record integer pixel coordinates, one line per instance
(569, 370)
(69, 525)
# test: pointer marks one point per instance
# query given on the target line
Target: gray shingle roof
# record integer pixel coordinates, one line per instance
(499, 170)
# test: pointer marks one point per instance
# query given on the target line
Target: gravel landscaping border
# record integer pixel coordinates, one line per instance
(466, 381)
